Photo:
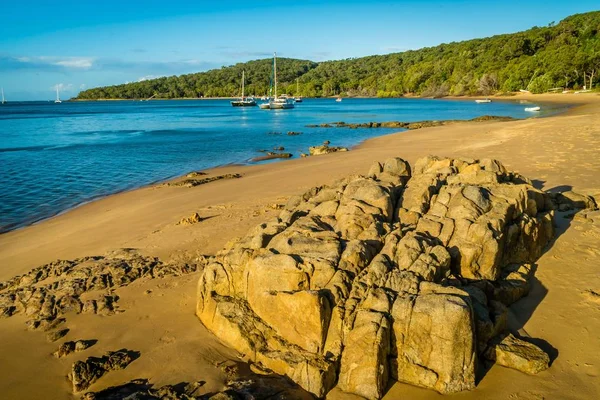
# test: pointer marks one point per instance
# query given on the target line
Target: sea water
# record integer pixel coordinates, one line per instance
(56, 156)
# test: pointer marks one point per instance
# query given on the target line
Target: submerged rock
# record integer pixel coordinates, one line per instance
(403, 274)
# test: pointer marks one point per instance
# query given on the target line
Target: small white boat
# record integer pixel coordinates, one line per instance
(483, 101)
(339, 99)
(57, 101)
(3, 101)
(533, 109)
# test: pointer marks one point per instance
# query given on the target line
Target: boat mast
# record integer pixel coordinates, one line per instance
(57, 98)
(3, 96)
(243, 77)
(275, 71)
(297, 86)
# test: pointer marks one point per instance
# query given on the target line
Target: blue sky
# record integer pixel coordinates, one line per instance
(81, 44)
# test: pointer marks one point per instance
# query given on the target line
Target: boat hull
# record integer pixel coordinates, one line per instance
(243, 103)
(265, 106)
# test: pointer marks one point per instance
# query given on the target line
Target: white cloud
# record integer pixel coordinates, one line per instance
(75, 62)
(82, 86)
(64, 62)
(62, 87)
(148, 77)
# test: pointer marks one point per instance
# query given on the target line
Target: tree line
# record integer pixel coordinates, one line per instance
(541, 59)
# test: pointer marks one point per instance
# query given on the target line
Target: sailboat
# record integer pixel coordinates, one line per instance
(244, 102)
(277, 103)
(57, 97)
(298, 99)
(3, 101)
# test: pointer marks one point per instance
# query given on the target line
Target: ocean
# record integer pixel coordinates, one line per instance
(56, 156)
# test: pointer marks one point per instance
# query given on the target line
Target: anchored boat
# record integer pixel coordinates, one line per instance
(243, 101)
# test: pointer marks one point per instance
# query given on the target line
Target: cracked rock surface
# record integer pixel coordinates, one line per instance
(405, 273)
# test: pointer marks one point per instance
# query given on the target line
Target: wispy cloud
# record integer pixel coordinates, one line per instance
(148, 77)
(75, 62)
(62, 87)
(82, 86)
(46, 62)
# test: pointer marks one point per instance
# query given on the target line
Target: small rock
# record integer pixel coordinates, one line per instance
(193, 219)
(518, 354)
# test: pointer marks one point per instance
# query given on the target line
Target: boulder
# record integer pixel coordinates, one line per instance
(518, 354)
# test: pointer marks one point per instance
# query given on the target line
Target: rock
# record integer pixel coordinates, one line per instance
(85, 373)
(47, 293)
(518, 354)
(191, 182)
(435, 340)
(293, 133)
(193, 219)
(364, 366)
(73, 347)
(403, 274)
(53, 336)
(325, 149)
(570, 200)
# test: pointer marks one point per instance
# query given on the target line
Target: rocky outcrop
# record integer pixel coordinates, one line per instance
(192, 219)
(324, 149)
(195, 181)
(408, 125)
(405, 274)
(85, 373)
(47, 293)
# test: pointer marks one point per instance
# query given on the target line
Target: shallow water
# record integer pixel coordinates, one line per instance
(56, 156)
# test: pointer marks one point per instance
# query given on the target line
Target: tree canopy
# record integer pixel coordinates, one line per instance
(563, 55)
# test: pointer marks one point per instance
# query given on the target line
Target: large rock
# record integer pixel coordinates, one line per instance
(403, 274)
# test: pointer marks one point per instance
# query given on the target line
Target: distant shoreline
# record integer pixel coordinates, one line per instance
(498, 97)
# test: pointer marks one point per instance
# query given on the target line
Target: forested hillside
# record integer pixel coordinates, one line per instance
(563, 55)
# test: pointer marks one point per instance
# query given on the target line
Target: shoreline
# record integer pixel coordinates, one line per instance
(557, 153)
(249, 163)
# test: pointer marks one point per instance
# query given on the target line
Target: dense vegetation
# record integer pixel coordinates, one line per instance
(563, 55)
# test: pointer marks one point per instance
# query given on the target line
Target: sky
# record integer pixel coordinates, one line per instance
(87, 43)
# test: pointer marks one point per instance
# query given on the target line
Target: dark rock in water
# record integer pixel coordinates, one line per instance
(274, 133)
(53, 336)
(407, 125)
(280, 148)
(271, 156)
(85, 373)
(293, 133)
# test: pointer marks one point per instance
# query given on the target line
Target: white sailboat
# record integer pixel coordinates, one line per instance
(298, 99)
(277, 103)
(57, 96)
(3, 101)
(243, 101)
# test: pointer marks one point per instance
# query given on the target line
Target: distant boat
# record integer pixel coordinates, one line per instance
(532, 109)
(243, 101)
(3, 101)
(339, 99)
(483, 101)
(57, 97)
(277, 103)
(298, 99)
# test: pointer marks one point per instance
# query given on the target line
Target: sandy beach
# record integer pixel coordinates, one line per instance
(558, 153)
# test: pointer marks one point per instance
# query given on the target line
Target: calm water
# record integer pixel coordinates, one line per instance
(55, 156)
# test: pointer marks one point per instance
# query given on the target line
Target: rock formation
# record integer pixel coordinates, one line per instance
(324, 149)
(85, 373)
(404, 274)
(46, 293)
